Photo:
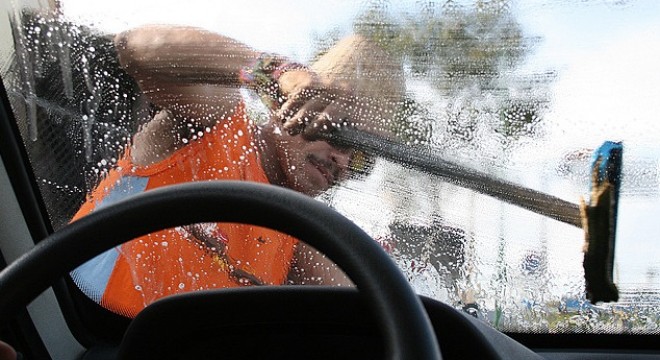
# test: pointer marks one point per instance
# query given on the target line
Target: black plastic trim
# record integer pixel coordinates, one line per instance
(21, 333)
(17, 164)
(16, 160)
(601, 341)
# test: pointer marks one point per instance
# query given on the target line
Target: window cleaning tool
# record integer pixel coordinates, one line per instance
(598, 218)
(599, 222)
(429, 161)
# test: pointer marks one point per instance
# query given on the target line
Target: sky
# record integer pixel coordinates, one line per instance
(606, 52)
(265, 25)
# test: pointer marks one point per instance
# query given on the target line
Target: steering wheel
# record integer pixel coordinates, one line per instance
(398, 310)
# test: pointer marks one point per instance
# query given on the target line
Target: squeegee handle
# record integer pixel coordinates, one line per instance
(431, 162)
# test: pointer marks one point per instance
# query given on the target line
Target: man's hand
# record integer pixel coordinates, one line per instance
(7, 352)
(313, 104)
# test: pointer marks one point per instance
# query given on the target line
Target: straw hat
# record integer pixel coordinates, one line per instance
(365, 65)
(374, 76)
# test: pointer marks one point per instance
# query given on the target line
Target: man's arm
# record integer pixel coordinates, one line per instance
(194, 73)
(155, 54)
(190, 71)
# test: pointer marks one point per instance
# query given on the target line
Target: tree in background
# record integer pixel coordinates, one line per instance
(469, 54)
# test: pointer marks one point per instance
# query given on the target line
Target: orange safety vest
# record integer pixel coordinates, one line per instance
(128, 278)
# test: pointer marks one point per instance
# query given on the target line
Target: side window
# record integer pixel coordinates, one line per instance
(76, 107)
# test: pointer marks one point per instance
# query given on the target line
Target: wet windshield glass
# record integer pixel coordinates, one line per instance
(472, 129)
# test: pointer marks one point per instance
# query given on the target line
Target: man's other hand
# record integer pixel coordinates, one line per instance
(7, 352)
(313, 104)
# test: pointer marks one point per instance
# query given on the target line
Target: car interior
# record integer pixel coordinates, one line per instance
(511, 215)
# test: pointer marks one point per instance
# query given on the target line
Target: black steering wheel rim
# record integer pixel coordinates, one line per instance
(406, 327)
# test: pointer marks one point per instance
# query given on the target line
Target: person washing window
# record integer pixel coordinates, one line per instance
(201, 131)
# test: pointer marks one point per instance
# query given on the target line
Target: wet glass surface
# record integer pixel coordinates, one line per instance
(518, 91)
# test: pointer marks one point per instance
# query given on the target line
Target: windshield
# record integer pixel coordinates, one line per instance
(499, 107)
